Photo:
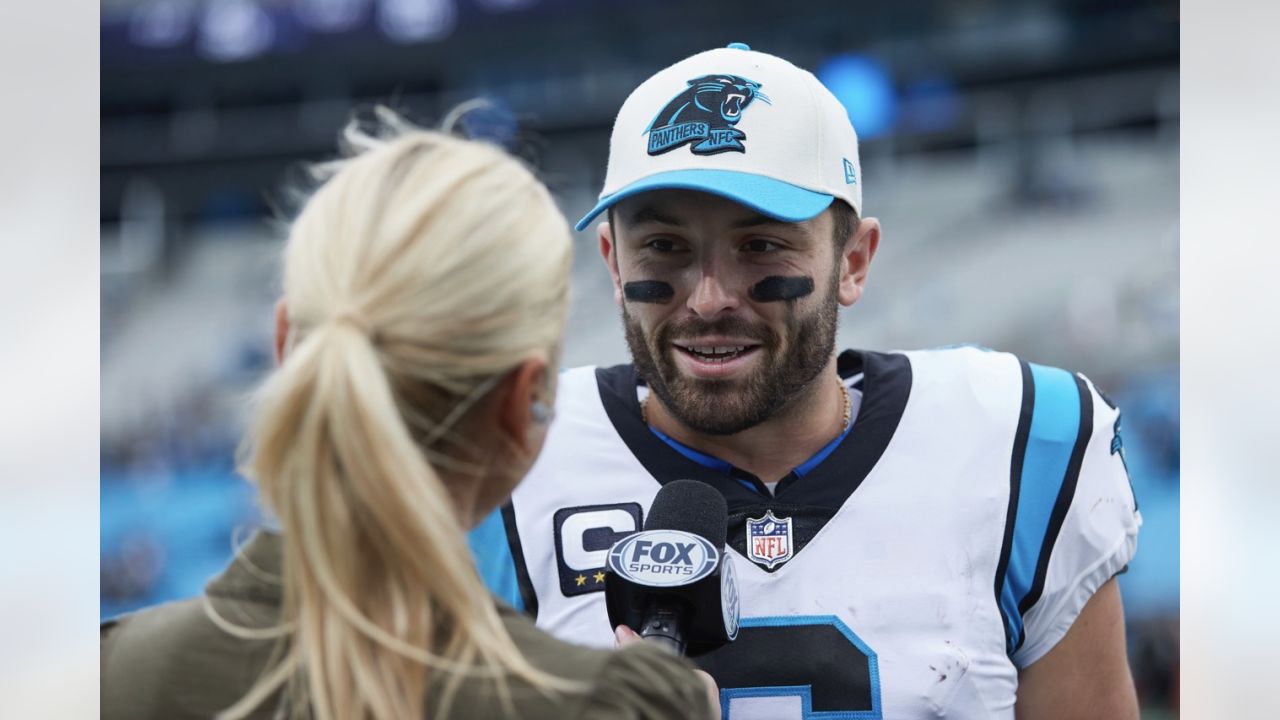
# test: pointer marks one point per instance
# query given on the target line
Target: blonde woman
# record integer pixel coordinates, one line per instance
(425, 293)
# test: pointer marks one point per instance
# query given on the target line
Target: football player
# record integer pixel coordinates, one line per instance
(915, 534)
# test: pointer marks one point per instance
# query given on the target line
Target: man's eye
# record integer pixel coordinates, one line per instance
(661, 244)
(760, 246)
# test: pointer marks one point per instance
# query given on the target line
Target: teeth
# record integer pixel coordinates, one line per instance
(717, 350)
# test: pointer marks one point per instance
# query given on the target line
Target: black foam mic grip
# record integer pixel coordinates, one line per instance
(692, 506)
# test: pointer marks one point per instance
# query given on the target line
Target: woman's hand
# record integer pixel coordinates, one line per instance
(623, 636)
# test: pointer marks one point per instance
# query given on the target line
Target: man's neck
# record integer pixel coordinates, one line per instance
(770, 450)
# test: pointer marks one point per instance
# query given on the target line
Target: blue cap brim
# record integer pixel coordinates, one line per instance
(779, 200)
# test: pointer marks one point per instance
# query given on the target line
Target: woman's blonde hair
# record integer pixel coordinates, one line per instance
(424, 269)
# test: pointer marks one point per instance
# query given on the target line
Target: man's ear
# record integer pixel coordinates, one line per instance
(515, 398)
(282, 329)
(609, 252)
(859, 251)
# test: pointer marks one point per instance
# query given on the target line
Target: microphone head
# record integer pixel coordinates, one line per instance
(673, 580)
(692, 506)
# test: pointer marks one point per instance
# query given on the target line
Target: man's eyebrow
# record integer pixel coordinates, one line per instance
(754, 221)
(758, 220)
(650, 214)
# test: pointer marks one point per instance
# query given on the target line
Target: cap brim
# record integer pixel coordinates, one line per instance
(774, 198)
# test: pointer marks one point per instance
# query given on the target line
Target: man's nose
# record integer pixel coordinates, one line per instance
(712, 295)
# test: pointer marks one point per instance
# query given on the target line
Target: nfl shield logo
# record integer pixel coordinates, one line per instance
(769, 540)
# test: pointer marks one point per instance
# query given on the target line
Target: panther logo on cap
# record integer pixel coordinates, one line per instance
(706, 112)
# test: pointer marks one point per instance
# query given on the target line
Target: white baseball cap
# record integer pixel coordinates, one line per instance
(737, 123)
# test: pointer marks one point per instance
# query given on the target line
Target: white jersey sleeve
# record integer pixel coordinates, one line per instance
(1098, 533)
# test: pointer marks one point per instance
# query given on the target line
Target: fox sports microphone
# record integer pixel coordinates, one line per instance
(671, 581)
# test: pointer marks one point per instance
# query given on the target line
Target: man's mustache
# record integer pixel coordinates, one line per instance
(735, 327)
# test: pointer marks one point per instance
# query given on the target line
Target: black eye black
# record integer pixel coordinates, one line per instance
(662, 244)
(760, 245)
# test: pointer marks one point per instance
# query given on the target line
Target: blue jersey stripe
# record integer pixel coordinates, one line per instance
(492, 554)
(716, 463)
(1065, 495)
(1055, 427)
(822, 454)
(701, 458)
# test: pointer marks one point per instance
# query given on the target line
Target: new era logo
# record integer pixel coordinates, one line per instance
(850, 175)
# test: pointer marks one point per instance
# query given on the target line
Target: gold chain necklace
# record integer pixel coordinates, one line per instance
(848, 407)
(844, 394)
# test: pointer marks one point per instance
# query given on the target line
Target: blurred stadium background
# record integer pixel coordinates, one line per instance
(1022, 156)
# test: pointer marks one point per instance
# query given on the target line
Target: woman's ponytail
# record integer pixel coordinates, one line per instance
(420, 273)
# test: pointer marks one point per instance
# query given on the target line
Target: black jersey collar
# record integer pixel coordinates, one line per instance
(886, 384)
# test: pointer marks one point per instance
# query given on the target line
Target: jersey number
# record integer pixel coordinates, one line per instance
(804, 667)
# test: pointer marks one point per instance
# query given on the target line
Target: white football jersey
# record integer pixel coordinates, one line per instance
(950, 539)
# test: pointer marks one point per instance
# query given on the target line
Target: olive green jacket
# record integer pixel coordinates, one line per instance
(173, 662)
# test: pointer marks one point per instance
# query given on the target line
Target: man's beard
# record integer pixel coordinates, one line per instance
(725, 407)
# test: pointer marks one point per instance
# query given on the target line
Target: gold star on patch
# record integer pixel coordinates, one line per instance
(599, 576)
(581, 580)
